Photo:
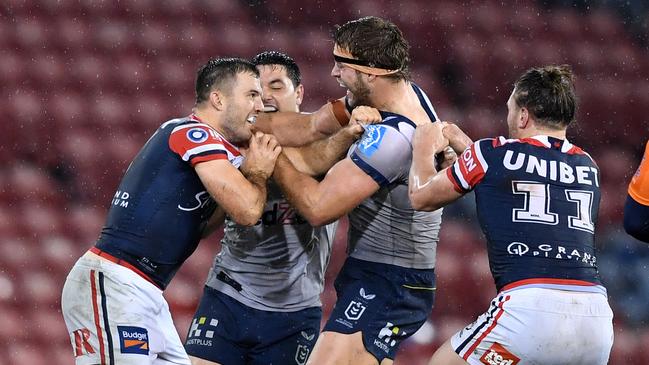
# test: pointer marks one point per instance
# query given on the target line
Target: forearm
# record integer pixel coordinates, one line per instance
(318, 157)
(297, 129)
(422, 173)
(255, 199)
(300, 190)
(290, 129)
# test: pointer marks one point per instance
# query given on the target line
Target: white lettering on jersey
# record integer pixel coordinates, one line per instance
(565, 173)
(467, 156)
(202, 199)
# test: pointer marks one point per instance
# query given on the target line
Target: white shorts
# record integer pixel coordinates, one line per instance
(114, 316)
(539, 326)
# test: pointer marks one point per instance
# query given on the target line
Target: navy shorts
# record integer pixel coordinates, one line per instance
(387, 303)
(226, 331)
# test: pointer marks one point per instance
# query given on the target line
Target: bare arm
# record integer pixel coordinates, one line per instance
(242, 198)
(428, 189)
(297, 129)
(242, 193)
(318, 157)
(344, 187)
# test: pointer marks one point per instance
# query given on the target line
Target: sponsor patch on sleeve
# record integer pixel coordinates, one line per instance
(133, 340)
(371, 139)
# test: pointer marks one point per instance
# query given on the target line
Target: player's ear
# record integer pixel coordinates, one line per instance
(217, 99)
(524, 120)
(299, 94)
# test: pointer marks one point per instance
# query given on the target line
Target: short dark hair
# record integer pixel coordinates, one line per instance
(376, 41)
(218, 72)
(548, 93)
(282, 59)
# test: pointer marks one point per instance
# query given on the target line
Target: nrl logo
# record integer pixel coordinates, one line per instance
(354, 310)
(302, 354)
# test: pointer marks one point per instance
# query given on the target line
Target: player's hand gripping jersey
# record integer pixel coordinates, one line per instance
(160, 209)
(537, 201)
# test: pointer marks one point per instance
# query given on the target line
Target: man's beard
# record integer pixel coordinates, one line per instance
(361, 92)
(230, 131)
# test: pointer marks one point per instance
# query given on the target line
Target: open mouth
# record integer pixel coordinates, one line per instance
(252, 119)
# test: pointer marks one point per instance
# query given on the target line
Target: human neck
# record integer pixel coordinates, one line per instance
(535, 131)
(210, 118)
(390, 96)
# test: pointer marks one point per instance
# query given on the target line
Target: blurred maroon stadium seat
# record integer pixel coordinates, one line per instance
(85, 83)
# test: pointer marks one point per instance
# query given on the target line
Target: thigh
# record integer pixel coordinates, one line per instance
(341, 349)
(217, 331)
(287, 338)
(445, 355)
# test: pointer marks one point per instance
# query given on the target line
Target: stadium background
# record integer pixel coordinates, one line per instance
(84, 83)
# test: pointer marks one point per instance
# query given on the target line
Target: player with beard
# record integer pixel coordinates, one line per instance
(112, 299)
(386, 286)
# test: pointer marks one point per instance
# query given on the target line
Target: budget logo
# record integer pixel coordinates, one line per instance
(354, 310)
(133, 340)
(498, 355)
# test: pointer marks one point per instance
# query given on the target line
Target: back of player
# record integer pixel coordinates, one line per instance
(537, 199)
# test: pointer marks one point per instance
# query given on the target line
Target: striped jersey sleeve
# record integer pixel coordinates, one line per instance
(197, 142)
(470, 168)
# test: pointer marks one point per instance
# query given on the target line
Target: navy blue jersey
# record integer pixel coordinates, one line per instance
(537, 200)
(161, 207)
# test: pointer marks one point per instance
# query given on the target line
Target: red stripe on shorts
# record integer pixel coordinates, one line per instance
(485, 333)
(95, 310)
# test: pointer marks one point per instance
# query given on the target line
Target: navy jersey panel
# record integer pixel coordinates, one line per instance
(161, 207)
(537, 202)
(225, 331)
(387, 303)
